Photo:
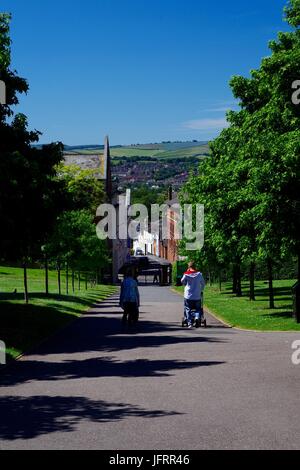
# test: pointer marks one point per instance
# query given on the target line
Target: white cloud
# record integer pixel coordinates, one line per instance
(206, 124)
(218, 110)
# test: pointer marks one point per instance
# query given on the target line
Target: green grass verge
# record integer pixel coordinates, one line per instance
(240, 312)
(23, 326)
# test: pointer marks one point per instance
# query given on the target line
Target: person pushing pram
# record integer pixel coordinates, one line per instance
(194, 285)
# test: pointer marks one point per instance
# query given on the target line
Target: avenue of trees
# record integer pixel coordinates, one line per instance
(250, 184)
(46, 210)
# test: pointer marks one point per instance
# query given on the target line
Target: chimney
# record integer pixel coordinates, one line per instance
(170, 193)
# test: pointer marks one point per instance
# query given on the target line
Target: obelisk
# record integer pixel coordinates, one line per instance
(107, 166)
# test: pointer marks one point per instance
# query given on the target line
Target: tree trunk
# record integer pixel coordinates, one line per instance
(46, 276)
(209, 278)
(86, 281)
(234, 280)
(73, 281)
(59, 278)
(26, 296)
(220, 281)
(67, 278)
(299, 267)
(271, 288)
(79, 275)
(252, 281)
(239, 282)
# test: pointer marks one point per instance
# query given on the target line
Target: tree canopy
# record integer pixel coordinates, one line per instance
(250, 185)
(31, 194)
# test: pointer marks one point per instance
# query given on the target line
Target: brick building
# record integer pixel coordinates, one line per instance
(169, 246)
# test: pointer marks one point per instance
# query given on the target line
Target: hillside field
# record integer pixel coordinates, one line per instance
(161, 151)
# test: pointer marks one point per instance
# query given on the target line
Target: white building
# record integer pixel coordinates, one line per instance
(148, 242)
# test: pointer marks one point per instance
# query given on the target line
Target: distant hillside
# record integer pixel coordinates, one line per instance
(157, 150)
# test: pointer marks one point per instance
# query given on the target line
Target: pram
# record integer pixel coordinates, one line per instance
(202, 322)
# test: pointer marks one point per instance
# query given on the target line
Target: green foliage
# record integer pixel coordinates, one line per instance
(14, 84)
(31, 195)
(75, 241)
(85, 191)
(36, 188)
(250, 185)
(178, 269)
(293, 13)
(147, 196)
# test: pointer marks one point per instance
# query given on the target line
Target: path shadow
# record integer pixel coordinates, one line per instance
(23, 325)
(29, 417)
(31, 370)
(150, 284)
(106, 334)
(8, 296)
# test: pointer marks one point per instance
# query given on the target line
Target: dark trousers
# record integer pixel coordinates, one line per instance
(131, 313)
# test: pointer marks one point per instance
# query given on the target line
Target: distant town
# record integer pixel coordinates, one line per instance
(155, 165)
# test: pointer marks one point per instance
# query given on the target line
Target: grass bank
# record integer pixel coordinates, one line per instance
(240, 312)
(23, 326)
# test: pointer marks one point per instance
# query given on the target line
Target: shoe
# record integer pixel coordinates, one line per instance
(190, 326)
(197, 323)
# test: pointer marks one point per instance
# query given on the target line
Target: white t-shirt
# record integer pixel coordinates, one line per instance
(194, 285)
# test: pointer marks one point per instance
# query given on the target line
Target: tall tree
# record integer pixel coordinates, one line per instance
(250, 185)
(75, 241)
(83, 188)
(31, 195)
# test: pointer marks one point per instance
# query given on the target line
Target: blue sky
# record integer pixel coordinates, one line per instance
(138, 70)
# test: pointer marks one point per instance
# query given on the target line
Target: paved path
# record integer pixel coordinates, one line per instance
(96, 386)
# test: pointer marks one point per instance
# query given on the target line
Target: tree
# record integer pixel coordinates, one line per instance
(148, 196)
(31, 195)
(270, 126)
(250, 185)
(84, 190)
(74, 241)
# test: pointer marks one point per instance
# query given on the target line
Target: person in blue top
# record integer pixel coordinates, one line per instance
(130, 298)
(194, 285)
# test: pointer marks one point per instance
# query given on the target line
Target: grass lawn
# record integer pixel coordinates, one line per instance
(240, 312)
(23, 326)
